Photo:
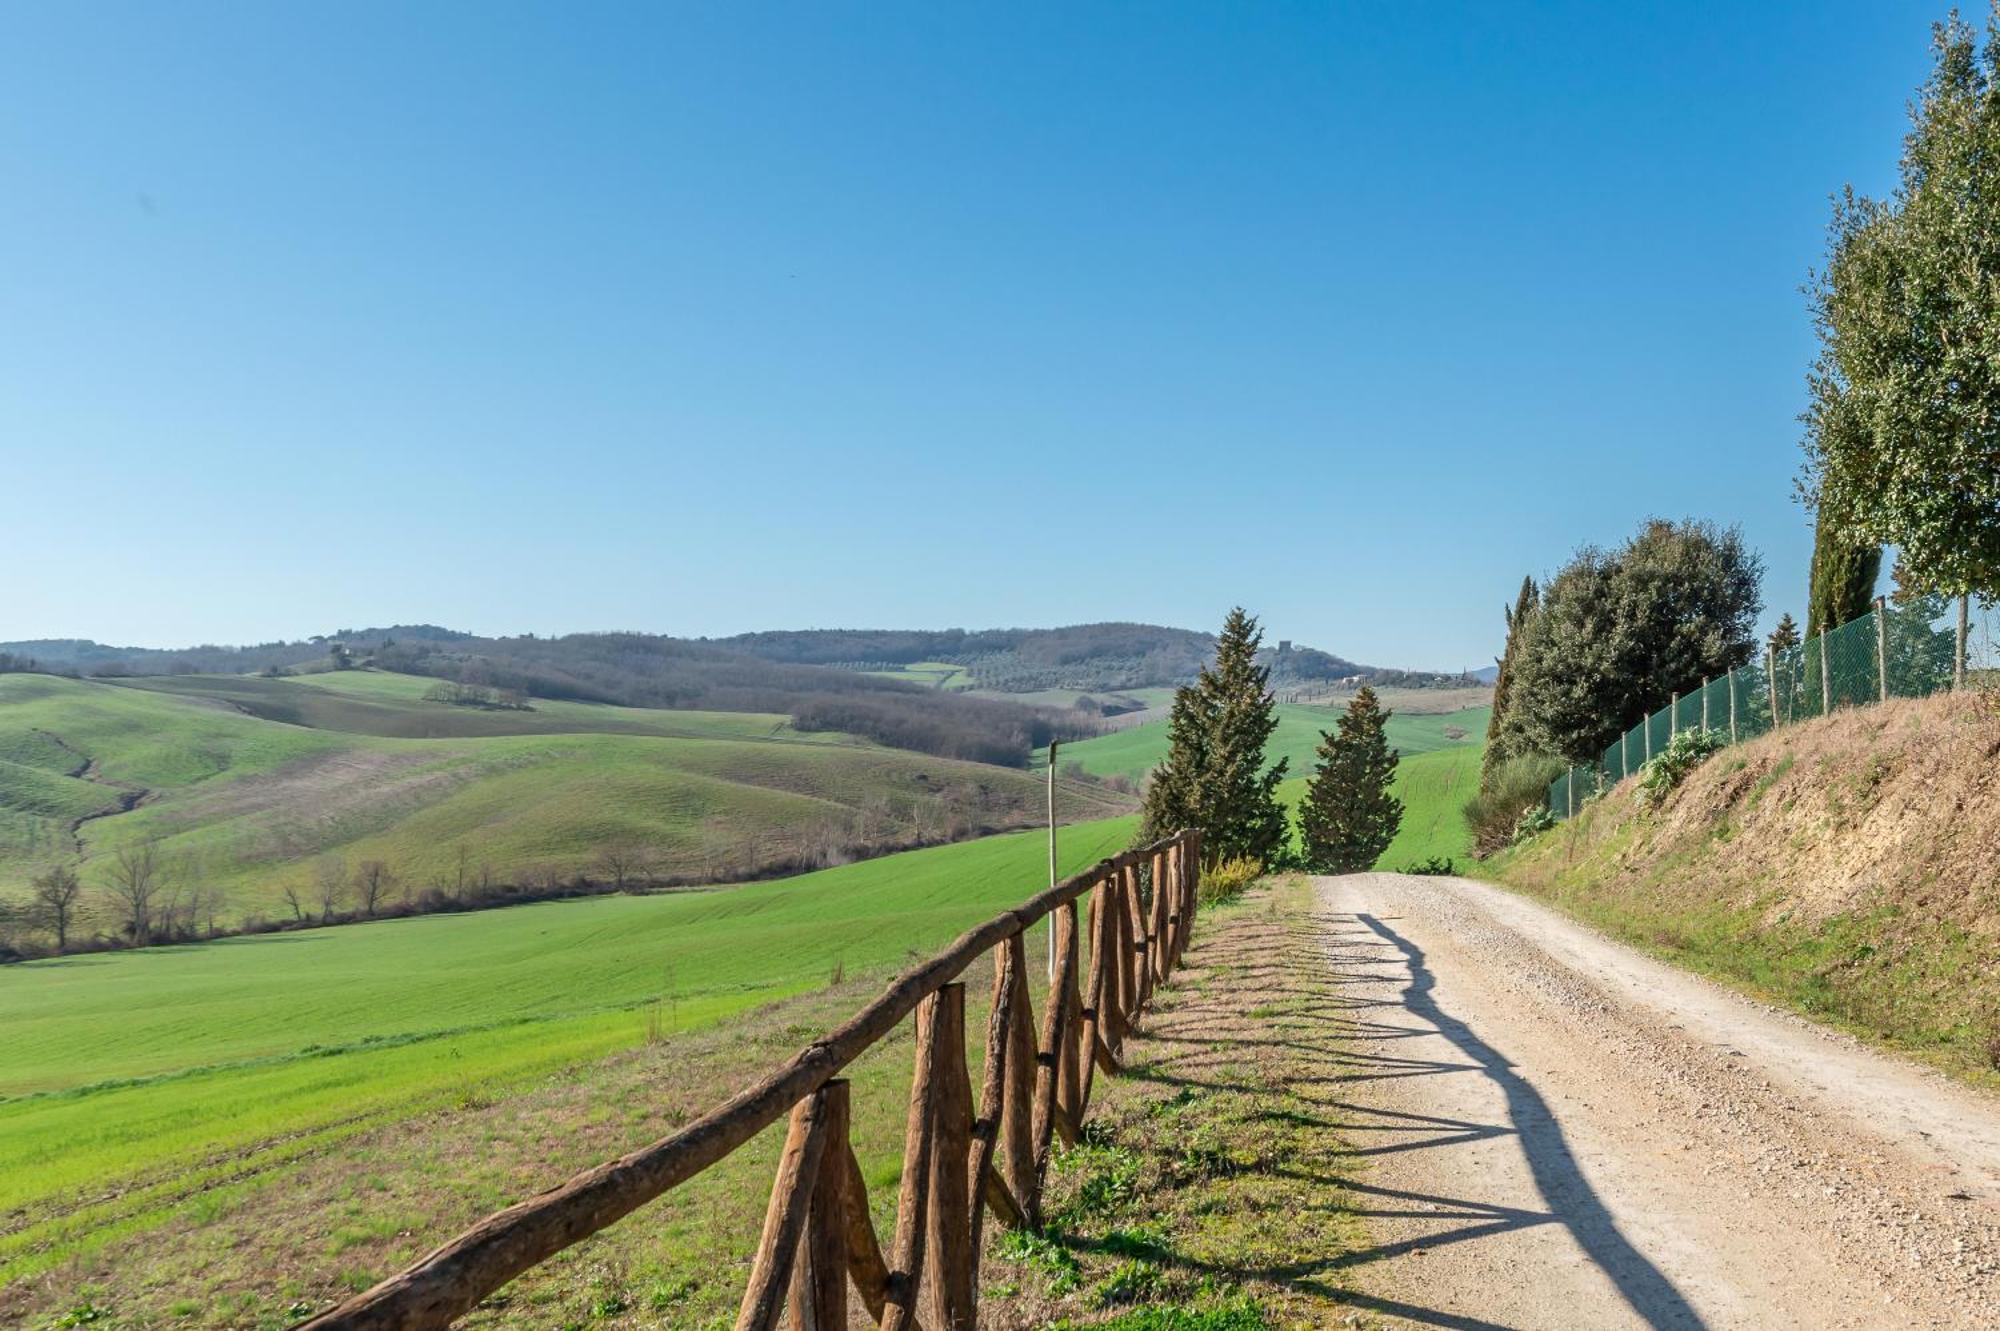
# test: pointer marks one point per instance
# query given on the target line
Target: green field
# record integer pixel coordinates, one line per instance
(134, 1078)
(1434, 788)
(247, 783)
(1133, 753)
(930, 674)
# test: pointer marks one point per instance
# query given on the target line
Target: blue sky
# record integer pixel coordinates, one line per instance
(704, 318)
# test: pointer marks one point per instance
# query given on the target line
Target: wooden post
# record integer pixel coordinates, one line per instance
(1058, 1043)
(1141, 943)
(1070, 1069)
(1097, 997)
(1732, 707)
(785, 1219)
(864, 1253)
(1625, 755)
(983, 1182)
(906, 1260)
(1881, 649)
(1825, 677)
(1704, 702)
(1160, 928)
(1569, 793)
(819, 1272)
(1017, 1119)
(1674, 717)
(1054, 876)
(949, 1304)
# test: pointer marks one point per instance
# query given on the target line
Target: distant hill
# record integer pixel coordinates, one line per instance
(1086, 657)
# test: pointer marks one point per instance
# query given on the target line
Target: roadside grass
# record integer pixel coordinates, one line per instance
(1135, 751)
(1209, 1190)
(242, 804)
(137, 1078)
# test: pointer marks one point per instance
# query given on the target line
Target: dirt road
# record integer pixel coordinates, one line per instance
(1562, 1133)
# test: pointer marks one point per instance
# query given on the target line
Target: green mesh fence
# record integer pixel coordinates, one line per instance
(1898, 651)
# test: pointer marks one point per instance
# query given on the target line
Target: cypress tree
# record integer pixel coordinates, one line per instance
(1349, 817)
(1786, 635)
(1213, 778)
(1517, 615)
(1843, 580)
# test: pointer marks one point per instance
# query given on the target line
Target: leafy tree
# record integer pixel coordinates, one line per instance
(1786, 635)
(1619, 632)
(1843, 580)
(56, 895)
(1213, 778)
(1903, 424)
(1349, 817)
(1525, 602)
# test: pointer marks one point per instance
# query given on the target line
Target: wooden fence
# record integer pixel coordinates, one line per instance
(959, 1161)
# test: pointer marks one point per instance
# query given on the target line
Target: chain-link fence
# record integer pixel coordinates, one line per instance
(1894, 651)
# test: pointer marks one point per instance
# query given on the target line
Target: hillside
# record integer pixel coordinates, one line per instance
(1846, 865)
(250, 785)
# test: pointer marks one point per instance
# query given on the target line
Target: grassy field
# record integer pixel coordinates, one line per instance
(930, 674)
(1133, 753)
(1434, 788)
(136, 1079)
(247, 783)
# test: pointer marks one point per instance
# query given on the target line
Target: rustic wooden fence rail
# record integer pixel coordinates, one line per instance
(959, 1160)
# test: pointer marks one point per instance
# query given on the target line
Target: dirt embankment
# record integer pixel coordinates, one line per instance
(1850, 865)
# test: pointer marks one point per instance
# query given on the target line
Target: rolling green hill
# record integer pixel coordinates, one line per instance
(1134, 752)
(134, 1079)
(246, 782)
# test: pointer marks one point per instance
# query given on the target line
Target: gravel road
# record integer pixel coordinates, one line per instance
(1559, 1132)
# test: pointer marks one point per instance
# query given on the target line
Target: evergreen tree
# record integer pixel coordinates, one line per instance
(1843, 580)
(1213, 778)
(1786, 635)
(1349, 817)
(1529, 597)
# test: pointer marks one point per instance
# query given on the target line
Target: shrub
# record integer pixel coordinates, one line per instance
(1437, 866)
(1532, 823)
(1226, 881)
(1509, 790)
(1663, 773)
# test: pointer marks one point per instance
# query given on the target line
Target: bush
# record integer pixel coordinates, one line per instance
(1663, 773)
(1511, 789)
(1226, 881)
(1531, 824)
(1437, 866)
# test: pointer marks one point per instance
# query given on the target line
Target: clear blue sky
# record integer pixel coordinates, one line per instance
(703, 318)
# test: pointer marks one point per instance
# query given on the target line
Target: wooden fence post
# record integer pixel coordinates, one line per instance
(785, 1220)
(982, 1180)
(950, 1303)
(1704, 702)
(1825, 677)
(1051, 1063)
(906, 1259)
(1674, 717)
(819, 1271)
(1732, 707)
(1964, 630)
(1771, 679)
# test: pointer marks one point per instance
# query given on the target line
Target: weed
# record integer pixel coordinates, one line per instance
(1043, 1253)
(1129, 1282)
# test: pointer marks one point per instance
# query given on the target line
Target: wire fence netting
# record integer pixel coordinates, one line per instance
(1894, 651)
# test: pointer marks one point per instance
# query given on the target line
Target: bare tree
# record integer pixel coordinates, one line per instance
(57, 895)
(330, 886)
(137, 878)
(622, 864)
(295, 898)
(372, 881)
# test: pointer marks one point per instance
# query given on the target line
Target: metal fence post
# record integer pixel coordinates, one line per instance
(1958, 657)
(1732, 707)
(1705, 682)
(1624, 755)
(1825, 677)
(1882, 648)
(1771, 678)
(1673, 717)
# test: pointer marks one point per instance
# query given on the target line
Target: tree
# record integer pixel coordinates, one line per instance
(1349, 817)
(1213, 778)
(55, 895)
(1903, 423)
(1517, 615)
(138, 874)
(1618, 633)
(330, 886)
(372, 881)
(1843, 580)
(1786, 635)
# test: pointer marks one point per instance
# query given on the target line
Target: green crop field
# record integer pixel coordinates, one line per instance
(246, 783)
(930, 674)
(135, 1078)
(1434, 788)
(1133, 753)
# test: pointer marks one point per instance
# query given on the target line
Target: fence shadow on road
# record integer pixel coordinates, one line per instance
(1566, 1193)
